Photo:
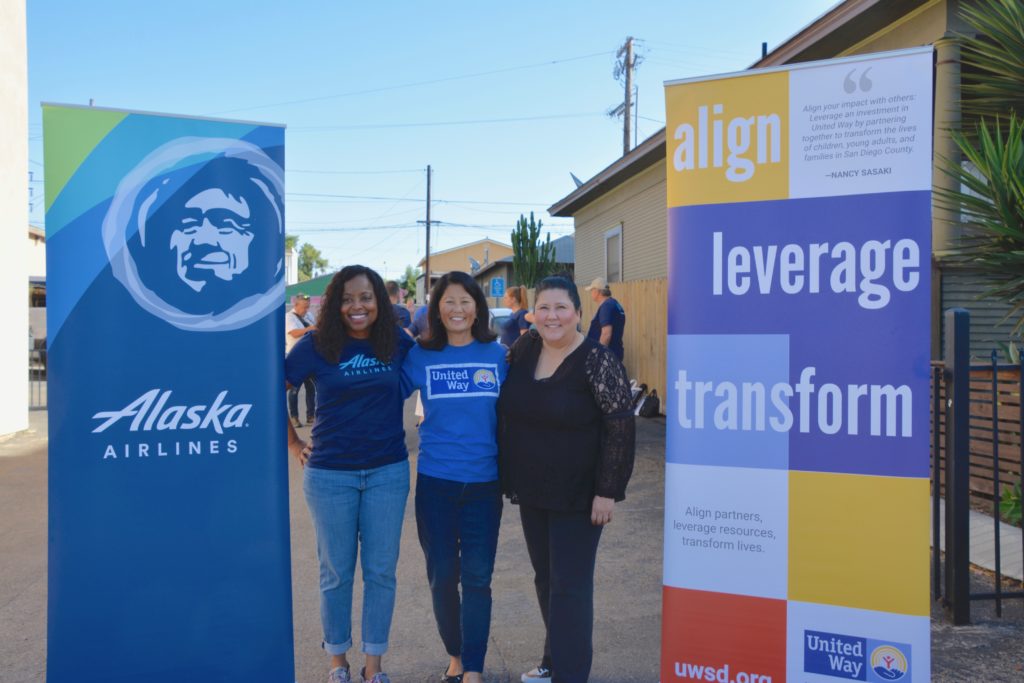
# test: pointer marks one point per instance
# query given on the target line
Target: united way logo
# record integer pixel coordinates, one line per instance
(485, 379)
(855, 658)
(462, 380)
(889, 663)
(194, 233)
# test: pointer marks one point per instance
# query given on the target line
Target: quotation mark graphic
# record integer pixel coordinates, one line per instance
(850, 85)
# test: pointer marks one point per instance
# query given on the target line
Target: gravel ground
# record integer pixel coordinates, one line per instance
(990, 649)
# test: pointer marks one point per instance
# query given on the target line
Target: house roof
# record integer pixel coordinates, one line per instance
(644, 155)
(844, 25)
(463, 246)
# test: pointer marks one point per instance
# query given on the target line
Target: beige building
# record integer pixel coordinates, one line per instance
(14, 346)
(620, 214)
(482, 252)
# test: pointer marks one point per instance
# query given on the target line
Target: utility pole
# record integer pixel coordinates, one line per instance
(628, 109)
(426, 260)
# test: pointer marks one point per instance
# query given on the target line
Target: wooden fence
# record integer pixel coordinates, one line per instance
(986, 435)
(646, 333)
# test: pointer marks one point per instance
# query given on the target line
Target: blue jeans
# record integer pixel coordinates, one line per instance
(458, 529)
(357, 510)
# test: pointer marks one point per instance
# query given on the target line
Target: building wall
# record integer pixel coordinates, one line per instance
(639, 206)
(458, 258)
(13, 217)
(503, 270)
(923, 26)
(36, 257)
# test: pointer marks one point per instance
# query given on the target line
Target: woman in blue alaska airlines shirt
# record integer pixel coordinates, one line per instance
(356, 471)
(458, 368)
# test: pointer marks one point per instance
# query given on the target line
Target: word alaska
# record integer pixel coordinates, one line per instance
(150, 411)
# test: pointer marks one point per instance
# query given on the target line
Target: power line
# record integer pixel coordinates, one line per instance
(324, 195)
(329, 172)
(430, 124)
(413, 84)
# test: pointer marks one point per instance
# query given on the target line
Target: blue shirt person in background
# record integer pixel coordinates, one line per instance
(517, 323)
(458, 368)
(401, 312)
(610, 320)
(419, 322)
(356, 471)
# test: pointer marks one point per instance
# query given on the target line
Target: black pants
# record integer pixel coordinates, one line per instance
(563, 547)
(293, 400)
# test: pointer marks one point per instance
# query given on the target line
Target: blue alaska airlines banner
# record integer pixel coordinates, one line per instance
(168, 483)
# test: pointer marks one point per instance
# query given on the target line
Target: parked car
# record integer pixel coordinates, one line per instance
(498, 318)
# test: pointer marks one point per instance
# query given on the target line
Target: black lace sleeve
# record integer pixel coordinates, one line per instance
(610, 387)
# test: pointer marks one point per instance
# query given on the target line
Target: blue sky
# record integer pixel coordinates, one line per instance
(504, 101)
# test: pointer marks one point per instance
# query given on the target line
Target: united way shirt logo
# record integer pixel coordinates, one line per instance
(855, 658)
(462, 380)
(194, 230)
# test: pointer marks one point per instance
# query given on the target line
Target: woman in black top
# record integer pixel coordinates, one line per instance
(566, 443)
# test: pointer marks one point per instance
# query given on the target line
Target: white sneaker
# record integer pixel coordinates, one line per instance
(339, 675)
(536, 675)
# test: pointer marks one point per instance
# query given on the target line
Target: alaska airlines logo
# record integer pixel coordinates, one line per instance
(361, 364)
(193, 233)
(734, 136)
(150, 412)
(842, 656)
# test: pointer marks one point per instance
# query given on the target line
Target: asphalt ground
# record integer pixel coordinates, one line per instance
(627, 631)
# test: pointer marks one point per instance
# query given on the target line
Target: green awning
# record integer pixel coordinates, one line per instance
(314, 287)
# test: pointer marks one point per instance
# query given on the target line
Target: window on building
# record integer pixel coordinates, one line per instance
(613, 254)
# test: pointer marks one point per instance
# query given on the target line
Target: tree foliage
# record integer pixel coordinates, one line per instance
(990, 200)
(532, 260)
(311, 262)
(290, 241)
(993, 82)
(408, 281)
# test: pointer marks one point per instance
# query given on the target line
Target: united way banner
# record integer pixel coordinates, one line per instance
(796, 512)
(168, 499)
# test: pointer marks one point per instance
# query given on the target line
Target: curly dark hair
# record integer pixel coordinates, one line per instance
(331, 336)
(436, 337)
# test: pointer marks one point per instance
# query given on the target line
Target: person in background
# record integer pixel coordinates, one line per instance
(610, 320)
(517, 323)
(566, 446)
(401, 312)
(419, 321)
(296, 325)
(356, 471)
(458, 499)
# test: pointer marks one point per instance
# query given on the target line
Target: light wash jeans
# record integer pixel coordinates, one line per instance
(357, 510)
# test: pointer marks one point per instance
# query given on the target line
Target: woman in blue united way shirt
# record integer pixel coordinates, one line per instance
(356, 471)
(458, 368)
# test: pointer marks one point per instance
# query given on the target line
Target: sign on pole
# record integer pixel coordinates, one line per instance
(497, 287)
(168, 483)
(796, 514)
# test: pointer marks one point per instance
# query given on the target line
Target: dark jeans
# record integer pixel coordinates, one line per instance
(458, 529)
(563, 548)
(293, 400)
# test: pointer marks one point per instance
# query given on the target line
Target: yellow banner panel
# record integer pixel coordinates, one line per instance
(728, 140)
(859, 541)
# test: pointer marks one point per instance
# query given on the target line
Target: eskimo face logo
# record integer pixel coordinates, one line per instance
(194, 233)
